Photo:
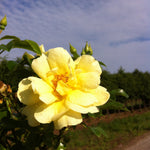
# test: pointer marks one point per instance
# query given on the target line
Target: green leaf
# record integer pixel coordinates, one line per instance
(11, 65)
(101, 63)
(98, 131)
(2, 147)
(119, 92)
(9, 37)
(92, 115)
(3, 47)
(112, 104)
(34, 46)
(3, 114)
(28, 58)
(17, 43)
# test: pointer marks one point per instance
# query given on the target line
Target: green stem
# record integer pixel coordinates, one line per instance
(8, 106)
(1, 51)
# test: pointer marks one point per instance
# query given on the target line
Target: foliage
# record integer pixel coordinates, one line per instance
(119, 131)
(17, 43)
(13, 71)
(136, 84)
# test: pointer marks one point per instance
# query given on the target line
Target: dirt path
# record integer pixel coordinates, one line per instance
(138, 143)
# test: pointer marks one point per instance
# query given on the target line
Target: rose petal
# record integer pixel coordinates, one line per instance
(81, 98)
(101, 94)
(59, 58)
(29, 112)
(43, 89)
(69, 118)
(88, 64)
(26, 94)
(47, 113)
(81, 102)
(41, 67)
(90, 80)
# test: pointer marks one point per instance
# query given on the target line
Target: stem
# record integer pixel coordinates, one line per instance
(14, 105)
(2, 51)
(8, 106)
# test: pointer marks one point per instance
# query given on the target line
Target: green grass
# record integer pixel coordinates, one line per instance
(119, 131)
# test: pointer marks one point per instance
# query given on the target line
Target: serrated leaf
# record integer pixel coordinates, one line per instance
(17, 43)
(34, 46)
(9, 37)
(98, 131)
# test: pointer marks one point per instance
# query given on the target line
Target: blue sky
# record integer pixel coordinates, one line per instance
(118, 30)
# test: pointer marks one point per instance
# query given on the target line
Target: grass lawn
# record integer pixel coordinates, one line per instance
(118, 131)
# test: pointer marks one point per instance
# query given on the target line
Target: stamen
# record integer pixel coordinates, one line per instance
(62, 77)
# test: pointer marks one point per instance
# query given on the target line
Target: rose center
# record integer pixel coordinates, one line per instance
(57, 78)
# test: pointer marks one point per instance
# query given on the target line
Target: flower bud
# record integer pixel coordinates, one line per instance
(73, 52)
(72, 49)
(90, 50)
(4, 21)
(86, 48)
(2, 27)
(83, 52)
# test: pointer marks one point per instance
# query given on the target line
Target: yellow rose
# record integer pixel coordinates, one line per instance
(65, 89)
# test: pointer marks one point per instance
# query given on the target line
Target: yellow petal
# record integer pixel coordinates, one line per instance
(47, 113)
(88, 64)
(81, 98)
(82, 109)
(42, 48)
(101, 94)
(68, 119)
(26, 94)
(81, 102)
(48, 98)
(41, 67)
(62, 88)
(90, 80)
(29, 112)
(59, 58)
(43, 89)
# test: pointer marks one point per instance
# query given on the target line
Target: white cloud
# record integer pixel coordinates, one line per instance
(56, 23)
